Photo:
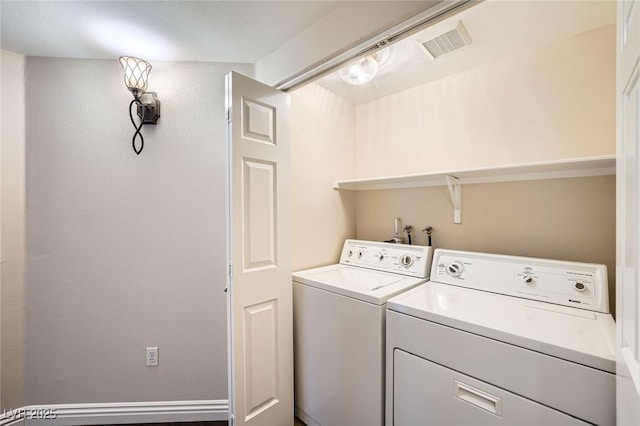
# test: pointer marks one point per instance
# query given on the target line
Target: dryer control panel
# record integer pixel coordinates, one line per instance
(413, 261)
(579, 285)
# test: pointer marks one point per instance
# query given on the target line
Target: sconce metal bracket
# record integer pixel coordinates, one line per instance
(149, 101)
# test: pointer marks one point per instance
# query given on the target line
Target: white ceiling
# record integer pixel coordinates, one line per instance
(497, 29)
(215, 31)
(248, 31)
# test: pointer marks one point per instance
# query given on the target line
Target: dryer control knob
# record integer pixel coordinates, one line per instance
(454, 269)
(406, 260)
(380, 257)
(580, 287)
(527, 279)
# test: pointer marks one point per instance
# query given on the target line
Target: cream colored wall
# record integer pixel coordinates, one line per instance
(323, 131)
(552, 103)
(12, 229)
(549, 104)
(569, 219)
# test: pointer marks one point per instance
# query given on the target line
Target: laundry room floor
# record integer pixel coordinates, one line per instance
(223, 423)
(297, 422)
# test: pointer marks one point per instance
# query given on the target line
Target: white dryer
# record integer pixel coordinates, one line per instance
(339, 330)
(502, 340)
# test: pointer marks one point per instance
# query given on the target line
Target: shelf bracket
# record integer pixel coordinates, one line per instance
(455, 192)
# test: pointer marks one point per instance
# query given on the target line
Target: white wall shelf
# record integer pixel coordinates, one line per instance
(570, 168)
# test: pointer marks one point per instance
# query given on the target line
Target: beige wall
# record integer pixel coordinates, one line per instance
(323, 132)
(568, 219)
(552, 103)
(12, 228)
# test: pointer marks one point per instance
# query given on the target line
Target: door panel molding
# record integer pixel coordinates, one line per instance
(261, 343)
(260, 211)
(258, 121)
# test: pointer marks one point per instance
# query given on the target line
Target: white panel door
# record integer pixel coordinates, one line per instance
(259, 287)
(628, 208)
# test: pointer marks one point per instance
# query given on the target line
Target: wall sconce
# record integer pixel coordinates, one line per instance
(136, 75)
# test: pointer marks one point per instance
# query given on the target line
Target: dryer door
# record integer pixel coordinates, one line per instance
(426, 393)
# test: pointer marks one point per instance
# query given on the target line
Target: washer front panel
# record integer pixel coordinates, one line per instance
(339, 358)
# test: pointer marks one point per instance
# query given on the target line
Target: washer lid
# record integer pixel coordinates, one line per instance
(360, 283)
(577, 335)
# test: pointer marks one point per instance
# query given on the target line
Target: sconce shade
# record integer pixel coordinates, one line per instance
(136, 78)
(136, 74)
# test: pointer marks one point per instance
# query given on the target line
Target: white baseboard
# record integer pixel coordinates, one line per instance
(11, 421)
(120, 413)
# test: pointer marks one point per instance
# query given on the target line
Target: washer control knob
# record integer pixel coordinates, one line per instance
(527, 279)
(350, 253)
(359, 254)
(406, 260)
(380, 257)
(454, 269)
(580, 287)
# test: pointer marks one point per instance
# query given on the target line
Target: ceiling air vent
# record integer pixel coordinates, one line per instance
(453, 39)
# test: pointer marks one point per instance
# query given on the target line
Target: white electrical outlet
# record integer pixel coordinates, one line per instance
(152, 357)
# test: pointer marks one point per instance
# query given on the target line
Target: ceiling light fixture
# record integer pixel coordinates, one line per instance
(136, 78)
(364, 69)
(361, 72)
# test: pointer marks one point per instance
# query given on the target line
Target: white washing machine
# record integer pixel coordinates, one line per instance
(339, 330)
(502, 340)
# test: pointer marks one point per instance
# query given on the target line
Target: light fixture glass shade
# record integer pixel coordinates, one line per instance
(360, 72)
(383, 55)
(136, 74)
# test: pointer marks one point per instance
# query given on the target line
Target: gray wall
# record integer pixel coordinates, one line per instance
(124, 251)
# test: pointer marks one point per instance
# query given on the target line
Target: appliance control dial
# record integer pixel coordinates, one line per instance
(380, 257)
(350, 253)
(527, 279)
(454, 269)
(580, 287)
(406, 260)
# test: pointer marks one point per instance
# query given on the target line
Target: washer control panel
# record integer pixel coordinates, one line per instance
(581, 285)
(414, 261)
